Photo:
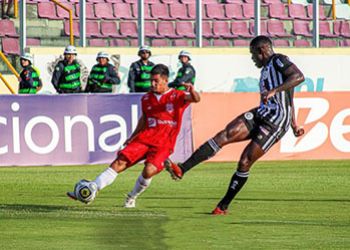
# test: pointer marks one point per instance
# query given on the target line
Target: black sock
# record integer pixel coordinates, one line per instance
(204, 152)
(236, 183)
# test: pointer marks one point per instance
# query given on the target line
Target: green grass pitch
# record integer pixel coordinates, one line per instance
(284, 205)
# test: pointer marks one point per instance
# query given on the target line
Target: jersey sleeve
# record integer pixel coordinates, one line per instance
(180, 100)
(281, 63)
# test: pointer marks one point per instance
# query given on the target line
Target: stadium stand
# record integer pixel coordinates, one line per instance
(172, 23)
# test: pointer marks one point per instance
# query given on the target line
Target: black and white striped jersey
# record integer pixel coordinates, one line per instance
(277, 111)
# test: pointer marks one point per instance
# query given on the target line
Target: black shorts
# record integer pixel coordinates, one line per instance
(261, 131)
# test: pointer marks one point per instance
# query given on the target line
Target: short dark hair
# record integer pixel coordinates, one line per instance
(258, 41)
(160, 69)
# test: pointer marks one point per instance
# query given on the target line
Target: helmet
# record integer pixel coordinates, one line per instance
(144, 48)
(102, 55)
(70, 49)
(27, 56)
(185, 53)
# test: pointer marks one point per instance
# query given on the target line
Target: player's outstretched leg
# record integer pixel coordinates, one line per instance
(140, 186)
(204, 152)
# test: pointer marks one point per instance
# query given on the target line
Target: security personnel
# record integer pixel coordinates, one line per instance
(102, 76)
(186, 74)
(66, 76)
(139, 79)
(29, 81)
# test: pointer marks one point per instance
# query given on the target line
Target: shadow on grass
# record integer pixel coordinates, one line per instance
(33, 207)
(288, 222)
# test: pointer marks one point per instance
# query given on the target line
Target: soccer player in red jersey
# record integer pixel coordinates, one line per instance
(155, 135)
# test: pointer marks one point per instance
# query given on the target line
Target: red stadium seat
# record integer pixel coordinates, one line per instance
(345, 29)
(47, 10)
(89, 11)
(128, 29)
(234, 11)
(280, 43)
(113, 1)
(104, 11)
(345, 43)
(147, 12)
(325, 29)
(184, 29)
(298, 11)
(272, 1)
(76, 30)
(178, 11)
(98, 43)
(215, 11)
(302, 28)
(192, 11)
(206, 29)
(302, 43)
(166, 29)
(276, 28)
(160, 11)
(188, 1)
(322, 15)
(61, 13)
(222, 43)
(152, 1)
(119, 43)
(241, 43)
(263, 28)
(160, 43)
(233, 1)
(240, 28)
(248, 10)
(123, 11)
(151, 30)
(222, 29)
(10, 46)
(7, 28)
(109, 29)
(33, 42)
(328, 43)
(182, 43)
(278, 11)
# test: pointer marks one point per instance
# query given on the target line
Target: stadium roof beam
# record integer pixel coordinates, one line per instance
(82, 23)
(141, 22)
(22, 26)
(199, 37)
(316, 24)
(257, 17)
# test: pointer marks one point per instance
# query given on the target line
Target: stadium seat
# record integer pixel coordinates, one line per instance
(47, 10)
(321, 12)
(276, 28)
(160, 43)
(113, 1)
(328, 43)
(278, 11)
(178, 11)
(280, 43)
(248, 10)
(10, 46)
(302, 28)
(302, 43)
(234, 11)
(240, 28)
(233, 1)
(151, 1)
(104, 11)
(221, 43)
(345, 29)
(188, 1)
(206, 43)
(325, 29)
(98, 43)
(345, 43)
(241, 43)
(182, 43)
(119, 43)
(63, 14)
(89, 11)
(192, 11)
(272, 1)
(206, 29)
(166, 29)
(109, 29)
(147, 12)
(222, 29)
(151, 30)
(169, 2)
(128, 29)
(160, 11)
(263, 28)
(215, 11)
(123, 11)
(76, 30)
(184, 29)
(7, 28)
(297, 11)
(342, 11)
(95, 1)
(33, 42)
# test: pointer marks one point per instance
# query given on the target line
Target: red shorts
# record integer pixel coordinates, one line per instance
(136, 151)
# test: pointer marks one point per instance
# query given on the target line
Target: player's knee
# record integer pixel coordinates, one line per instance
(118, 165)
(244, 164)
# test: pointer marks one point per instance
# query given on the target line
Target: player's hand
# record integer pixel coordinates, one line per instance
(298, 131)
(189, 87)
(267, 95)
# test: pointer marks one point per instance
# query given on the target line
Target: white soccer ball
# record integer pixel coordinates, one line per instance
(85, 191)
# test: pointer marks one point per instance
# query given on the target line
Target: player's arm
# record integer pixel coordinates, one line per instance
(57, 75)
(111, 76)
(141, 125)
(193, 95)
(297, 131)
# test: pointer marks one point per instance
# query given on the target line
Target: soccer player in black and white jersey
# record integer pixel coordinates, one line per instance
(263, 126)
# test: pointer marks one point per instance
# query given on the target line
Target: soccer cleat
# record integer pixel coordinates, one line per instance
(130, 202)
(174, 169)
(72, 195)
(219, 211)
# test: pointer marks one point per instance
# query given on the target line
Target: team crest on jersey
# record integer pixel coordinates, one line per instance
(279, 63)
(169, 107)
(249, 115)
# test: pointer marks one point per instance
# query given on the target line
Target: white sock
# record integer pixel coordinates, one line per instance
(140, 186)
(106, 178)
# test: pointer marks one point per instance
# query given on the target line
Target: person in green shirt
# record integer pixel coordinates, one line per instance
(29, 78)
(139, 79)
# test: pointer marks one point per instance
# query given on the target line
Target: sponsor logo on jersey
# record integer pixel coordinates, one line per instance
(169, 107)
(152, 122)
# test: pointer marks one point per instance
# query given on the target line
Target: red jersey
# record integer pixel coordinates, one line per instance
(163, 118)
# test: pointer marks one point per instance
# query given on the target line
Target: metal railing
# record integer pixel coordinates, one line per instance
(13, 70)
(70, 12)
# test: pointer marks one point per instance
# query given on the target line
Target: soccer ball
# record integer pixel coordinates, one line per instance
(85, 191)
